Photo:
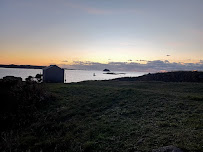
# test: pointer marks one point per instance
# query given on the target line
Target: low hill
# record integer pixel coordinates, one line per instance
(22, 66)
(178, 76)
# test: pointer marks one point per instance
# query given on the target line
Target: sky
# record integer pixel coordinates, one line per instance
(127, 35)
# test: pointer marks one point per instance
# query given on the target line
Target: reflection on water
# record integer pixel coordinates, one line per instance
(81, 75)
(70, 75)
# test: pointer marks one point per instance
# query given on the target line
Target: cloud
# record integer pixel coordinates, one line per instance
(64, 61)
(141, 60)
(150, 66)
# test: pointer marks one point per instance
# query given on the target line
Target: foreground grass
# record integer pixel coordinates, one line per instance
(116, 116)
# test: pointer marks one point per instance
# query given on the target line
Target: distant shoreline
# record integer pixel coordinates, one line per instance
(28, 67)
(22, 66)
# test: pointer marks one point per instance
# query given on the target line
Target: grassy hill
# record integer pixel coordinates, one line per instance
(112, 116)
(176, 76)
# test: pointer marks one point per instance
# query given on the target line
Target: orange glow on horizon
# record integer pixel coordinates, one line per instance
(63, 57)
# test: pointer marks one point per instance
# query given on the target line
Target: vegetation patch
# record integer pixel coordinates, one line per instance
(111, 116)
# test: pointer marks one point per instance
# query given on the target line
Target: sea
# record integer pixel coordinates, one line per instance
(70, 75)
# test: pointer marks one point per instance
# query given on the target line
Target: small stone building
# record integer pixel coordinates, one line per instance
(53, 74)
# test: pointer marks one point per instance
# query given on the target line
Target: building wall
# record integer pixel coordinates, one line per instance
(53, 74)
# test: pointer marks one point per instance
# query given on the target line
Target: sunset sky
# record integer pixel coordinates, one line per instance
(122, 34)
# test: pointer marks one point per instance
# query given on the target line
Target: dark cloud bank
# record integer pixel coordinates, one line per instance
(150, 66)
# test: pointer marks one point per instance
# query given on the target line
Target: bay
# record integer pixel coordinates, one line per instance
(70, 75)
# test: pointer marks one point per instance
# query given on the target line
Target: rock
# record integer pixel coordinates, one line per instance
(110, 73)
(106, 70)
(167, 149)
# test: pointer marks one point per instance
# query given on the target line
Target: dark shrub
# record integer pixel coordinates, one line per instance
(39, 77)
(20, 101)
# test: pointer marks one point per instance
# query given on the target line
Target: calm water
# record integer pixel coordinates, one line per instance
(70, 75)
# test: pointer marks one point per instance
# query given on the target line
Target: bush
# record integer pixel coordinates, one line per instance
(39, 77)
(20, 101)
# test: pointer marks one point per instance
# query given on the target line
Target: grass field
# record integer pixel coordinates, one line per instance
(116, 116)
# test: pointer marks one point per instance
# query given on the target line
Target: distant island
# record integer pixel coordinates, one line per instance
(113, 73)
(22, 66)
(106, 70)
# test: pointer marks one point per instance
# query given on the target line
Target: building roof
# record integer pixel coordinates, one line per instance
(51, 66)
